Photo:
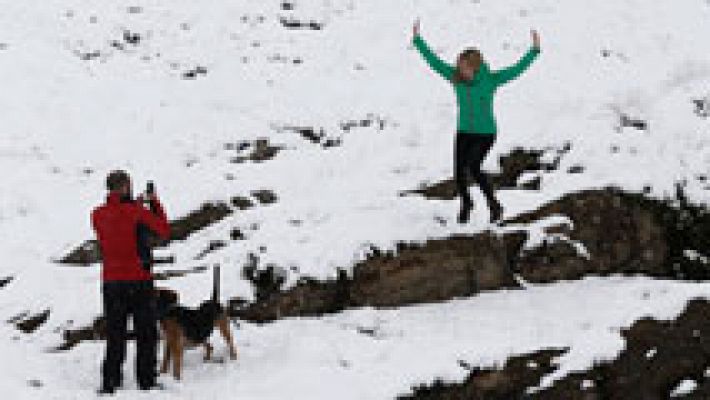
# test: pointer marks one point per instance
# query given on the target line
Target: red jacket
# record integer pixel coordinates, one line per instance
(116, 224)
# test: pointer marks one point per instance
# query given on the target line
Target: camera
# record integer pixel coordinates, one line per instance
(149, 192)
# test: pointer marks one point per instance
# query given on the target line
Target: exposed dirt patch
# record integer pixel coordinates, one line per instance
(30, 323)
(319, 135)
(207, 215)
(194, 73)
(507, 383)
(265, 196)
(72, 337)
(237, 234)
(292, 23)
(213, 246)
(626, 121)
(512, 166)
(5, 281)
(702, 107)
(260, 150)
(242, 203)
(658, 356)
(177, 273)
(369, 121)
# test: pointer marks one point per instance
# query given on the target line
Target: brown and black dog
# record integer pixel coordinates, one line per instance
(185, 328)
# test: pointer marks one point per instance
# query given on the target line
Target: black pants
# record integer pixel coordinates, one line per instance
(121, 300)
(471, 150)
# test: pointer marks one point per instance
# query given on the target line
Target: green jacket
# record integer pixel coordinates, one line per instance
(475, 97)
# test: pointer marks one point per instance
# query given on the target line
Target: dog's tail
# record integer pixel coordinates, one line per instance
(215, 284)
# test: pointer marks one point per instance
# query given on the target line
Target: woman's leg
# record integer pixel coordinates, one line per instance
(478, 154)
(461, 168)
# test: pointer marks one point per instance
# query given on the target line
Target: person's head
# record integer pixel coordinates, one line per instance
(119, 182)
(468, 64)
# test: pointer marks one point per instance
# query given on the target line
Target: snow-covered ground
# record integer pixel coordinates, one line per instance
(67, 121)
(379, 354)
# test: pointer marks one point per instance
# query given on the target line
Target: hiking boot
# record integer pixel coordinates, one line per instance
(465, 213)
(106, 391)
(151, 386)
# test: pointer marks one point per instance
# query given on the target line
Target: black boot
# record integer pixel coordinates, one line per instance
(496, 210)
(106, 391)
(151, 386)
(465, 213)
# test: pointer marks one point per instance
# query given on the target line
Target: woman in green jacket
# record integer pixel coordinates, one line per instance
(475, 84)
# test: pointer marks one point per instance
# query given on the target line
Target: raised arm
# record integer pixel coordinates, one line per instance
(157, 221)
(436, 63)
(506, 75)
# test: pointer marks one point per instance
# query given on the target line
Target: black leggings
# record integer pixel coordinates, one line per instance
(470, 151)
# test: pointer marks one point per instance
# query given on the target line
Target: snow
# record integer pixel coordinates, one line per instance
(66, 122)
(370, 353)
(685, 387)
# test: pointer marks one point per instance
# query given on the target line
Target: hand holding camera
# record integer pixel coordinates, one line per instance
(149, 196)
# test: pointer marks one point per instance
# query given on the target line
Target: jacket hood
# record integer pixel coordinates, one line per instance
(483, 70)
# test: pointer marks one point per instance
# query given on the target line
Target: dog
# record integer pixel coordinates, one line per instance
(184, 328)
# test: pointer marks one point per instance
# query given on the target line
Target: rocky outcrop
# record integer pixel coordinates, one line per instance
(434, 271)
(508, 383)
(5, 281)
(658, 356)
(622, 233)
(28, 323)
(611, 232)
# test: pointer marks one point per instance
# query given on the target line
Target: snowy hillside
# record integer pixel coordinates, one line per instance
(171, 90)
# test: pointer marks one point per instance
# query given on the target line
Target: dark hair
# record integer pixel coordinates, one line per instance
(474, 55)
(116, 179)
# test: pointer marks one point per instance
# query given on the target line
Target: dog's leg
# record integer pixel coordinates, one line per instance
(177, 349)
(208, 351)
(166, 355)
(223, 325)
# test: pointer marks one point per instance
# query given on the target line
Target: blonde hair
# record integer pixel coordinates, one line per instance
(471, 55)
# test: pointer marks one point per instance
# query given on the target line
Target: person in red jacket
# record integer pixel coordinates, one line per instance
(127, 285)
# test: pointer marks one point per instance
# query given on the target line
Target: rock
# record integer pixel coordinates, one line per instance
(613, 233)
(265, 196)
(510, 382)
(175, 273)
(207, 215)
(86, 254)
(72, 337)
(32, 323)
(436, 271)
(213, 246)
(291, 23)
(242, 203)
(682, 352)
(5, 281)
(237, 234)
(623, 233)
(262, 151)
